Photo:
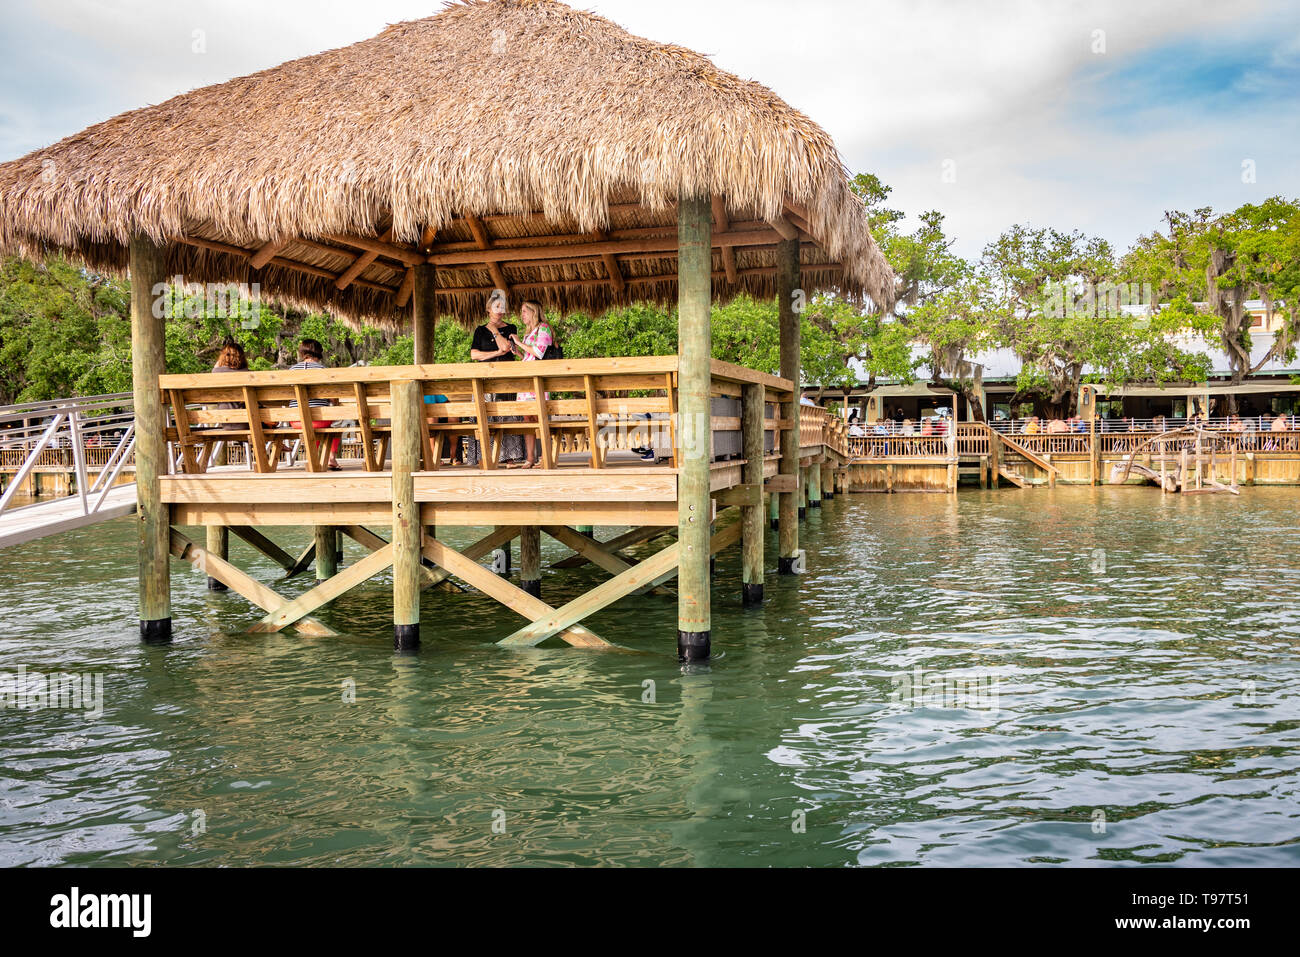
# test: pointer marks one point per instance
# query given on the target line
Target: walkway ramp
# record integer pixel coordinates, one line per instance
(30, 522)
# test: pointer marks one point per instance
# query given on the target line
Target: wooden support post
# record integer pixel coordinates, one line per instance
(218, 544)
(694, 509)
(153, 517)
(995, 457)
(407, 411)
(774, 510)
(506, 547)
(803, 493)
(787, 283)
(326, 553)
(827, 485)
(753, 401)
(1094, 453)
(530, 560)
(815, 485)
(424, 314)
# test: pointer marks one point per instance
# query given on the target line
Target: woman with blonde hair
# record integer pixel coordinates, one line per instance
(537, 339)
(492, 343)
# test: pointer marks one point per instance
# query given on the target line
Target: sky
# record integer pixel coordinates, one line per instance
(1096, 116)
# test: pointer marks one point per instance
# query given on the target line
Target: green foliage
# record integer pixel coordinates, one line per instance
(450, 344)
(1252, 252)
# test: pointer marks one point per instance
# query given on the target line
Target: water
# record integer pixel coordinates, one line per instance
(1144, 650)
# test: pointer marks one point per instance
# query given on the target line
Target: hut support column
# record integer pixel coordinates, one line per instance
(753, 400)
(219, 545)
(774, 510)
(694, 509)
(530, 560)
(424, 321)
(787, 281)
(815, 485)
(154, 518)
(424, 314)
(407, 409)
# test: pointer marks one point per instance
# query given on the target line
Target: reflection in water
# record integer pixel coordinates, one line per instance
(1144, 650)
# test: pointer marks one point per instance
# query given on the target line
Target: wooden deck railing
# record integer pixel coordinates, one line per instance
(1056, 443)
(588, 405)
(894, 446)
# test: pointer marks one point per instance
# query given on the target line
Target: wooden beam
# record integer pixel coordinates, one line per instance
(481, 240)
(784, 227)
(237, 581)
(284, 263)
(293, 611)
(404, 254)
(373, 542)
(667, 244)
(593, 551)
(360, 264)
(268, 252)
(479, 232)
(484, 546)
(615, 545)
(406, 288)
(621, 585)
(615, 274)
(516, 599)
(304, 560)
(787, 283)
(407, 415)
(264, 545)
(694, 381)
(424, 315)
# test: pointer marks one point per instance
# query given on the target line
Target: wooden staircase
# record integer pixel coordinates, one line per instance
(1016, 464)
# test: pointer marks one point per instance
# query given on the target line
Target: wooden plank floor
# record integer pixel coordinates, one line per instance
(31, 522)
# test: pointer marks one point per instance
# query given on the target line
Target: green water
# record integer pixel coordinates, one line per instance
(1143, 652)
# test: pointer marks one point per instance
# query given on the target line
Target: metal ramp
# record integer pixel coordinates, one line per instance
(34, 431)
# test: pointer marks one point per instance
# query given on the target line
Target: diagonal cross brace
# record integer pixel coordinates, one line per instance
(606, 593)
(326, 591)
(514, 598)
(240, 582)
(596, 552)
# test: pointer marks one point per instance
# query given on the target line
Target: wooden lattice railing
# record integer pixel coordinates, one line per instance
(590, 405)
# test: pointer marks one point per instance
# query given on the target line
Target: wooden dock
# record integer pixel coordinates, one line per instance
(408, 423)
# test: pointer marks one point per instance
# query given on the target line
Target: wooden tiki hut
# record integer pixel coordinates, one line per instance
(512, 144)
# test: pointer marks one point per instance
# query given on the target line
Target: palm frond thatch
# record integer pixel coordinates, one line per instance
(495, 123)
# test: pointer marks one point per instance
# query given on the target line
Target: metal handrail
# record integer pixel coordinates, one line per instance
(68, 421)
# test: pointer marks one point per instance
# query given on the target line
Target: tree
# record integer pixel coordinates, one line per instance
(1250, 253)
(959, 322)
(923, 263)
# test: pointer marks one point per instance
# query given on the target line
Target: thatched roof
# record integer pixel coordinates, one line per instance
(478, 139)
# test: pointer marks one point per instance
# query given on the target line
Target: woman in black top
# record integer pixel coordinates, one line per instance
(491, 343)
